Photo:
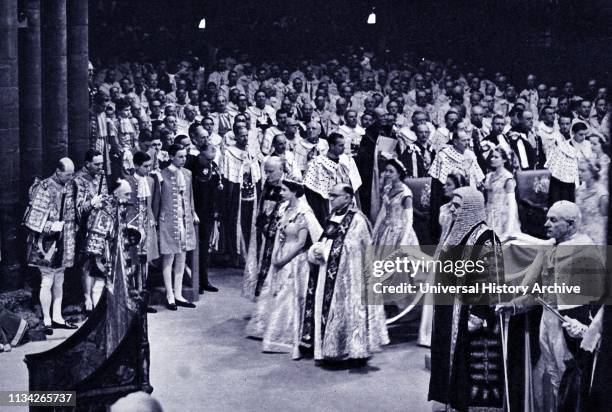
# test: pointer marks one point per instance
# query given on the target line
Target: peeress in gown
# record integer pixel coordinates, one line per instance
(592, 197)
(278, 316)
(393, 230)
(393, 226)
(501, 207)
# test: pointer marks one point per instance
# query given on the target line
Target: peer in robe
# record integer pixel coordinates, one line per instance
(241, 174)
(327, 170)
(455, 157)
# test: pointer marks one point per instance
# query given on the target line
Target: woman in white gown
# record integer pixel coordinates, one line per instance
(393, 226)
(278, 315)
(393, 230)
(592, 197)
(600, 157)
(501, 207)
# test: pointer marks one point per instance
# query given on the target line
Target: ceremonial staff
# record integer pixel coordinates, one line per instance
(504, 326)
(104, 165)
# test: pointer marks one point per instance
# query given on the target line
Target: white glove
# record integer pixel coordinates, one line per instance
(574, 328)
(57, 226)
(475, 323)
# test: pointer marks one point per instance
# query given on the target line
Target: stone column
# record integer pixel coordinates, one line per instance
(54, 80)
(30, 97)
(78, 92)
(9, 147)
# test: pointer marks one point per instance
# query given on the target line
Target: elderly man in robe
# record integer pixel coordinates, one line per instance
(575, 261)
(260, 256)
(50, 220)
(466, 338)
(338, 324)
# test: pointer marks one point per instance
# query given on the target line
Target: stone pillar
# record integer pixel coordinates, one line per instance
(78, 92)
(54, 80)
(30, 97)
(9, 147)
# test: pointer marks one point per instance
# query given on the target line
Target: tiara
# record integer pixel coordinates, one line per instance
(293, 179)
(398, 164)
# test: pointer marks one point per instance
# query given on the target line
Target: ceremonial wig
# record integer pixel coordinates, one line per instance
(471, 213)
(140, 158)
(399, 167)
(295, 186)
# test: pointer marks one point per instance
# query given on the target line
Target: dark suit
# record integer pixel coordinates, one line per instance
(536, 156)
(206, 189)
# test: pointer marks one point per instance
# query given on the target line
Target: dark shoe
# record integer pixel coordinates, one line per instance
(185, 304)
(151, 310)
(208, 288)
(171, 306)
(48, 330)
(65, 325)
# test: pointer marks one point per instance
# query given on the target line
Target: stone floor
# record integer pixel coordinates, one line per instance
(201, 361)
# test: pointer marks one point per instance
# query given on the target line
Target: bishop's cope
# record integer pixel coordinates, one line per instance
(259, 257)
(338, 323)
(574, 260)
